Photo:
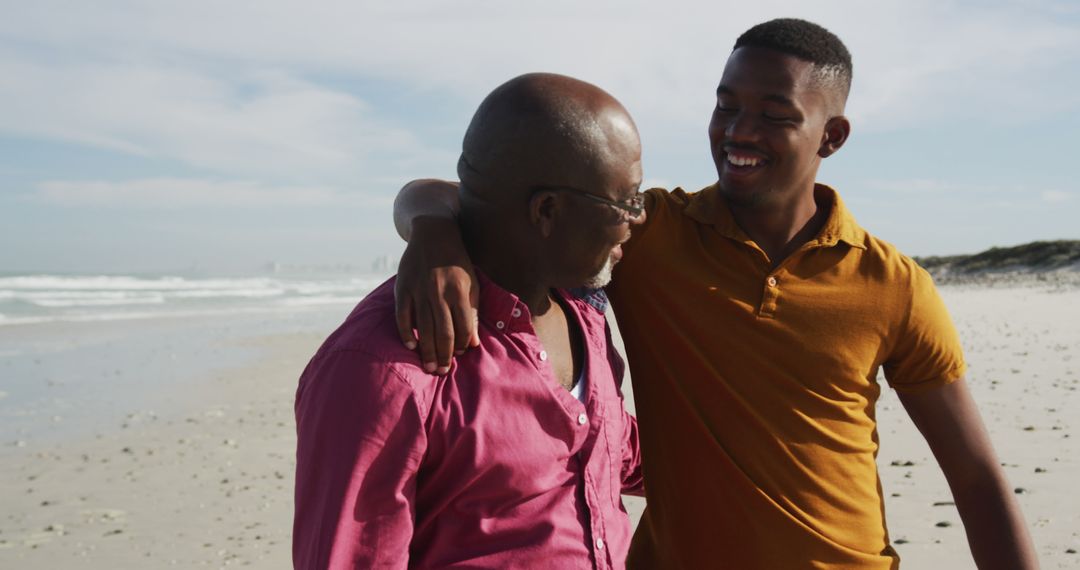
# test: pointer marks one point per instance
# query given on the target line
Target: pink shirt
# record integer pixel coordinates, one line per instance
(493, 465)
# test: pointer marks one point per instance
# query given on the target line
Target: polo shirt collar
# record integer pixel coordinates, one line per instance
(841, 225)
(708, 207)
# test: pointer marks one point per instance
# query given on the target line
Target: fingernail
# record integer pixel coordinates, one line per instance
(459, 352)
(429, 367)
(410, 344)
(443, 370)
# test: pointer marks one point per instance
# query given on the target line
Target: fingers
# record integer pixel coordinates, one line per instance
(434, 323)
(444, 336)
(403, 313)
(474, 338)
(464, 325)
(425, 326)
(473, 312)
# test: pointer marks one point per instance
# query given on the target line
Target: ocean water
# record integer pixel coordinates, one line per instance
(43, 298)
(78, 353)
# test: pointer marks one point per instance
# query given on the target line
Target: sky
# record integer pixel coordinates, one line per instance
(219, 136)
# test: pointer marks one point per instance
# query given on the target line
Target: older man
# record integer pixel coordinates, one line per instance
(516, 456)
(757, 314)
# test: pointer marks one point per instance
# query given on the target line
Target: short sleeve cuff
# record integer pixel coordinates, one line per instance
(954, 374)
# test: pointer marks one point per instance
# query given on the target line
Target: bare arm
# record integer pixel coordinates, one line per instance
(436, 290)
(426, 197)
(950, 422)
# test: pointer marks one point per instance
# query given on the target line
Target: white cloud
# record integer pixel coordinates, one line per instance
(252, 123)
(178, 193)
(1056, 196)
(915, 59)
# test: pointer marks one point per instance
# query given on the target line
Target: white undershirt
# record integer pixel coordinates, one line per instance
(579, 391)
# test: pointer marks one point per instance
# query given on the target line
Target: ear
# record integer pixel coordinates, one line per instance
(836, 134)
(543, 209)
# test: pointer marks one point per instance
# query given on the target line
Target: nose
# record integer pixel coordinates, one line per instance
(740, 127)
(732, 125)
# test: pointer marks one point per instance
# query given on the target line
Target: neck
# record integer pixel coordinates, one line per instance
(503, 263)
(780, 229)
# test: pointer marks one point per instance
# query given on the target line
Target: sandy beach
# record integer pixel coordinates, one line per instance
(196, 469)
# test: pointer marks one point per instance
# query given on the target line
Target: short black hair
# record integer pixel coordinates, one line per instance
(807, 41)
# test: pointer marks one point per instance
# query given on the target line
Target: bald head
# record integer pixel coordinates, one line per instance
(543, 129)
(542, 155)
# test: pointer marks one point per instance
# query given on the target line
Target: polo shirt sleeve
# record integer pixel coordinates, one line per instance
(655, 201)
(927, 353)
(360, 440)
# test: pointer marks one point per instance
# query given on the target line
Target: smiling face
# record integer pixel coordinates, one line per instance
(772, 124)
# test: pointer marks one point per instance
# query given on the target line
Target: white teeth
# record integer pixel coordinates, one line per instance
(743, 160)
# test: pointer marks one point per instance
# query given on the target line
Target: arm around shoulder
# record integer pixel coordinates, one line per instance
(360, 440)
(436, 294)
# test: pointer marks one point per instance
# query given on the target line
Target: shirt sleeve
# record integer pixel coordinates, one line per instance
(927, 353)
(633, 483)
(654, 198)
(360, 440)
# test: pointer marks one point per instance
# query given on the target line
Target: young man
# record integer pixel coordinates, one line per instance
(516, 456)
(756, 315)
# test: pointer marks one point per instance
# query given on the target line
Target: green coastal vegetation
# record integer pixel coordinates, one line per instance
(1034, 257)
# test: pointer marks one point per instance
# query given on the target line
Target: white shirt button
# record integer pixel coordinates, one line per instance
(582, 418)
(599, 544)
(771, 281)
(515, 313)
(500, 325)
(543, 355)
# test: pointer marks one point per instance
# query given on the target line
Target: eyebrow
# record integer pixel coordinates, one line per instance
(723, 90)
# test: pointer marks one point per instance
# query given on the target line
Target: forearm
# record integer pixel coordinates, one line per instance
(425, 197)
(995, 527)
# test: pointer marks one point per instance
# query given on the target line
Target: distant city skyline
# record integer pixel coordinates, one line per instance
(169, 135)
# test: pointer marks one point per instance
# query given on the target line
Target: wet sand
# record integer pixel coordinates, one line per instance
(204, 478)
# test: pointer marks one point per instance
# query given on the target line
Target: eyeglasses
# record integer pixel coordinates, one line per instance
(633, 207)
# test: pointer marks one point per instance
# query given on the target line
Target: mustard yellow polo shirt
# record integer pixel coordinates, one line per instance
(755, 387)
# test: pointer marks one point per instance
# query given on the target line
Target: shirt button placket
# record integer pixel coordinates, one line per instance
(768, 297)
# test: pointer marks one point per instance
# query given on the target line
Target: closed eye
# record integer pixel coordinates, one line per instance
(776, 118)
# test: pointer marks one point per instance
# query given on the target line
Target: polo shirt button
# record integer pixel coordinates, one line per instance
(515, 313)
(543, 355)
(582, 418)
(599, 544)
(771, 281)
(500, 325)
